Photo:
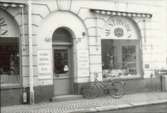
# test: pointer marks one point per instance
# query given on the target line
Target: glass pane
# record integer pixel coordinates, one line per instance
(118, 58)
(107, 54)
(60, 61)
(129, 59)
(62, 35)
(9, 60)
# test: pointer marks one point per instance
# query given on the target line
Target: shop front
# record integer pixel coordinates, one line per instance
(52, 48)
(118, 49)
(121, 51)
(10, 61)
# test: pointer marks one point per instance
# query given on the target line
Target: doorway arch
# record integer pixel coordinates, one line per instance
(77, 28)
(79, 32)
(63, 71)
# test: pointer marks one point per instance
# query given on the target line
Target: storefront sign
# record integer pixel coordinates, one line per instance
(44, 64)
(83, 63)
(119, 28)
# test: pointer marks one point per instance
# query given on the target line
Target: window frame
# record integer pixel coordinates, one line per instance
(136, 43)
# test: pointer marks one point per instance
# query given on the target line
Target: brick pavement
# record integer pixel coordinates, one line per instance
(98, 104)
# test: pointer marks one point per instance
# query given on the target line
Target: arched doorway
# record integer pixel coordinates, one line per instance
(62, 61)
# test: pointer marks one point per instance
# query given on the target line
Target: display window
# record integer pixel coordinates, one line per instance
(9, 50)
(9, 60)
(120, 58)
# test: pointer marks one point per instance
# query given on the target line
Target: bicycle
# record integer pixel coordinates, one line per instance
(113, 87)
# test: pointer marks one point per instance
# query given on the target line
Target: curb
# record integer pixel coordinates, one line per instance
(118, 107)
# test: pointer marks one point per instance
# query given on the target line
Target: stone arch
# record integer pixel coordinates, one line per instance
(63, 19)
(9, 19)
(74, 25)
(127, 24)
(67, 35)
(136, 25)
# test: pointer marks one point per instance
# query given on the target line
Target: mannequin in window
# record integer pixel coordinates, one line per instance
(66, 68)
(12, 65)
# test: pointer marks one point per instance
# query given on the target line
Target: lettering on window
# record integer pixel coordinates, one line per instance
(119, 28)
(3, 24)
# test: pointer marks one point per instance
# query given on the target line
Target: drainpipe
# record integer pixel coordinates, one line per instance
(31, 81)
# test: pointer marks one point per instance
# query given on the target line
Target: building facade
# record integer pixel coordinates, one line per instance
(50, 48)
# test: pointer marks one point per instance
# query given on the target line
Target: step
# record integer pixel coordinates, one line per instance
(66, 97)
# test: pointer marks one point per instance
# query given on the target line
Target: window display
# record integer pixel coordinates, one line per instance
(9, 60)
(129, 59)
(119, 58)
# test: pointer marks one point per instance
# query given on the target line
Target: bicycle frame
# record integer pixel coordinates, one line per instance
(112, 87)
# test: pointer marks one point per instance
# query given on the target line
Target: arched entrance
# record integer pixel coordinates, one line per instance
(62, 45)
(77, 47)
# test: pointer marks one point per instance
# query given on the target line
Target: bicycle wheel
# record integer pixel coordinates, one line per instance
(116, 89)
(90, 91)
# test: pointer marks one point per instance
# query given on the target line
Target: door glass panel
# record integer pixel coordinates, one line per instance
(61, 61)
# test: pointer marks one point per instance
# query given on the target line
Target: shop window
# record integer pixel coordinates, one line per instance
(9, 60)
(129, 59)
(119, 58)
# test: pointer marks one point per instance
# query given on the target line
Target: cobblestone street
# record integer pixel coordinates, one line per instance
(98, 104)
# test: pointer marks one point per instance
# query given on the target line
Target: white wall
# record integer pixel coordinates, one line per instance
(154, 43)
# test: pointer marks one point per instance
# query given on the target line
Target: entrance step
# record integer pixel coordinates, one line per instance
(66, 97)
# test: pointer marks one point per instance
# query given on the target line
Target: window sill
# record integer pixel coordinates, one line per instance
(11, 86)
(125, 78)
(132, 78)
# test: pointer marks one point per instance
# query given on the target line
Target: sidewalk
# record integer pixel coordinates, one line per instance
(90, 105)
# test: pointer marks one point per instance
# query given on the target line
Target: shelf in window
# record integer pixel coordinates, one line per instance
(10, 85)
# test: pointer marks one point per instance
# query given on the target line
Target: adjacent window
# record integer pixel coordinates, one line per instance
(9, 50)
(120, 58)
(9, 60)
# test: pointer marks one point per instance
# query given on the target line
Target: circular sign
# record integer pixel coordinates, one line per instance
(120, 28)
(118, 32)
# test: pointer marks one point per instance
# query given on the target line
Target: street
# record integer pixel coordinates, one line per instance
(159, 108)
(127, 104)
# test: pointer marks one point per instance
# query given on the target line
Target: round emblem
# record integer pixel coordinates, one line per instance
(118, 32)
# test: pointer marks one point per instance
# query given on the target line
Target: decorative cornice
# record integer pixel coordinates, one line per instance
(9, 4)
(121, 13)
